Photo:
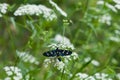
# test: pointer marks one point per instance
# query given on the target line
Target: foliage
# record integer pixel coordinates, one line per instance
(89, 28)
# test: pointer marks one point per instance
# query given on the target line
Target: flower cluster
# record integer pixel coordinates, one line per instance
(102, 2)
(112, 7)
(115, 39)
(117, 5)
(97, 76)
(118, 76)
(94, 62)
(14, 73)
(102, 76)
(61, 42)
(71, 57)
(82, 75)
(58, 8)
(58, 64)
(3, 8)
(24, 56)
(116, 36)
(31, 9)
(106, 18)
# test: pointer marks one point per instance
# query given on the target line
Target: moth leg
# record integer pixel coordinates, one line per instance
(59, 58)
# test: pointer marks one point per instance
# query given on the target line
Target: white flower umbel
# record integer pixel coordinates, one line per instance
(61, 42)
(87, 59)
(117, 6)
(32, 9)
(97, 76)
(115, 39)
(27, 77)
(116, 36)
(90, 78)
(106, 18)
(82, 76)
(47, 62)
(118, 76)
(102, 2)
(73, 56)
(14, 73)
(94, 62)
(0, 15)
(3, 8)
(113, 8)
(56, 63)
(102, 76)
(117, 1)
(58, 8)
(24, 56)
(60, 65)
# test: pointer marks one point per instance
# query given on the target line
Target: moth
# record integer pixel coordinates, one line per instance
(57, 53)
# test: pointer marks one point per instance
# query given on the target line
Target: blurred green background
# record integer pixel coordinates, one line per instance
(90, 37)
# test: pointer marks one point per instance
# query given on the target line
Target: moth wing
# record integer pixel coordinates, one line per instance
(64, 52)
(50, 53)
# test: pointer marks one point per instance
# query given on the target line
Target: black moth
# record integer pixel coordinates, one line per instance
(57, 53)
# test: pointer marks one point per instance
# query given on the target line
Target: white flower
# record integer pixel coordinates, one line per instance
(117, 32)
(70, 74)
(59, 38)
(31, 9)
(24, 56)
(47, 62)
(90, 78)
(106, 18)
(111, 7)
(61, 42)
(7, 78)
(13, 72)
(58, 8)
(117, 1)
(82, 76)
(97, 76)
(95, 62)
(3, 8)
(102, 76)
(102, 2)
(118, 76)
(74, 55)
(117, 6)
(115, 39)
(68, 58)
(0, 15)
(27, 77)
(60, 65)
(87, 59)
